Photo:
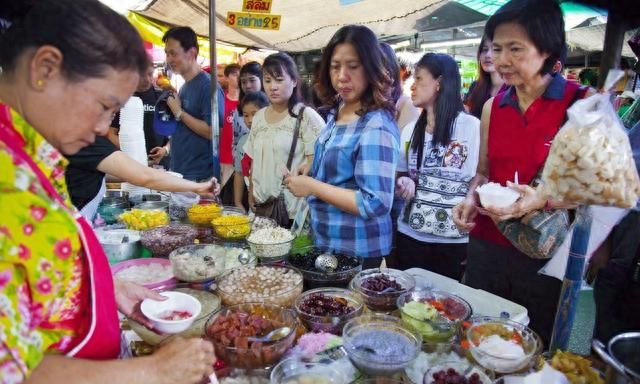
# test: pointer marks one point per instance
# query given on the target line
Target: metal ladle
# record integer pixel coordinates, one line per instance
(275, 335)
(326, 262)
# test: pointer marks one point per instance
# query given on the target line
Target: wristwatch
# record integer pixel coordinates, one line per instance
(179, 115)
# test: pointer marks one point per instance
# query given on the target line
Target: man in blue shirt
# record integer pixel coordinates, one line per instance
(191, 151)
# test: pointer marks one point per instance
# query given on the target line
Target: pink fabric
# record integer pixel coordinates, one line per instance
(102, 338)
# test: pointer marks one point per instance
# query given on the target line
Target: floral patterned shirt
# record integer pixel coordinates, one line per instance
(42, 298)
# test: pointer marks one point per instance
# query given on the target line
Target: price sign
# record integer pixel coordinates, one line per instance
(259, 6)
(253, 21)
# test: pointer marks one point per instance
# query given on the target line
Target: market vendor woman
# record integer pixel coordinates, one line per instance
(351, 185)
(66, 67)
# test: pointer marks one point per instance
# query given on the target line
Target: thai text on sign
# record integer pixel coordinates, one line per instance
(253, 21)
(253, 6)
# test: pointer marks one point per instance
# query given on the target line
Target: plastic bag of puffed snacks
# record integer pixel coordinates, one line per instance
(590, 161)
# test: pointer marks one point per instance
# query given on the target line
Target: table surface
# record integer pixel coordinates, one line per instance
(482, 302)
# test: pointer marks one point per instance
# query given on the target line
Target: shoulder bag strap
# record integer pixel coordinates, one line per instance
(579, 94)
(294, 142)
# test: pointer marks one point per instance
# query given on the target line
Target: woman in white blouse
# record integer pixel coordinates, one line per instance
(272, 131)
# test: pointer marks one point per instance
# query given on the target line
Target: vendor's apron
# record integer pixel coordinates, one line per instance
(102, 340)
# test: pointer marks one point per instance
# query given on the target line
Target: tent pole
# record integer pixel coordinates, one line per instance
(572, 281)
(613, 42)
(215, 123)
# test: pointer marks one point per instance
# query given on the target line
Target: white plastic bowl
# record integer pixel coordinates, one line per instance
(495, 195)
(177, 301)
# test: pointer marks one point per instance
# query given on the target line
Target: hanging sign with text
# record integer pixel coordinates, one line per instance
(253, 20)
(259, 6)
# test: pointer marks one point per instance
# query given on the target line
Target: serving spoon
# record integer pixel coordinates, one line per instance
(275, 335)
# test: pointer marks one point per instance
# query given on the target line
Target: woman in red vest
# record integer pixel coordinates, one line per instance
(66, 67)
(517, 128)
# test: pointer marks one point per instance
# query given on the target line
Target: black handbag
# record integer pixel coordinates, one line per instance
(276, 207)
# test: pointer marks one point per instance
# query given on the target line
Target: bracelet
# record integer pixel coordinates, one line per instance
(179, 115)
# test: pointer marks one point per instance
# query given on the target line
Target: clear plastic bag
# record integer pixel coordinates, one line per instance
(590, 161)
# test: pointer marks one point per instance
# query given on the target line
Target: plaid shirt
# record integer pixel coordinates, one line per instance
(361, 156)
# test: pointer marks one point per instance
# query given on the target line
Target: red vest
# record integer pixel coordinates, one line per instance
(521, 142)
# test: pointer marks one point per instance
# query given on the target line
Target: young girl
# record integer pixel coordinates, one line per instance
(351, 192)
(249, 80)
(438, 158)
(271, 136)
(249, 105)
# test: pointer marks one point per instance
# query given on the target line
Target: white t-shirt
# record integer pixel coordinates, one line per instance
(447, 168)
(268, 146)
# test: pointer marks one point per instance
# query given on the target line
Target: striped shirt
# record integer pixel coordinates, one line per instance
(361, 156)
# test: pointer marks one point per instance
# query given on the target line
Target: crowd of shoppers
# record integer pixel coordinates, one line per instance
(372, 150)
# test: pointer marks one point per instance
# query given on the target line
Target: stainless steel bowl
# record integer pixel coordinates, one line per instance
(622, 357)
(120, 244)
(149, 205)
(148, 197)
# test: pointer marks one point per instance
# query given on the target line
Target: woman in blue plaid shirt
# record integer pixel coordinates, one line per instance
(350, 184)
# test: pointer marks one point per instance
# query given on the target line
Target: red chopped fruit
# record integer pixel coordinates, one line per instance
(175, 315)
(219, 364)
(516, 337)
(449, 308)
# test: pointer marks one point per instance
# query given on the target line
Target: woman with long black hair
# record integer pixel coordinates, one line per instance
(438, 158)
(249, 81)
(272, 134)
(488, 83)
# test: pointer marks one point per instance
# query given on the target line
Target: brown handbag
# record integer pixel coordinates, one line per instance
(275, 207)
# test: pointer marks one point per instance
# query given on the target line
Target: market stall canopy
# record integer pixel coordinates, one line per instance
(591, 39)
(152, 32)
(305, 24)
(574, 13)
(585, 23)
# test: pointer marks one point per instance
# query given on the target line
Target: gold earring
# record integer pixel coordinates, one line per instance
(40, 83)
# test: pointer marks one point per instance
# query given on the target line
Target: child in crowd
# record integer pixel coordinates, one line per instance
(249, 105)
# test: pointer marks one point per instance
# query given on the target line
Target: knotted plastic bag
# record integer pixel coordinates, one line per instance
(590, 161)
